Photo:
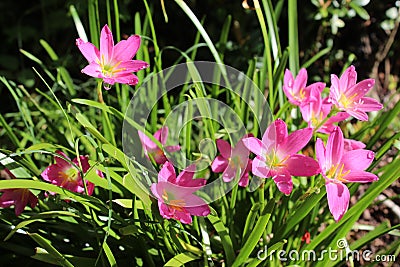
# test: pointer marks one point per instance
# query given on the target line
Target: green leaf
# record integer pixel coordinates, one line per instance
(181, 259)
(14, 167)
(299, 214)
(224, 235)
(360, 11)
(93, 177)
(132, 185)
(255, 235)
(110, 255)
(85, 123)
(250, 220)
(39, 217)
(125, 203)
(129, 230)
(83, 199)
(49, 50)
(44, 243)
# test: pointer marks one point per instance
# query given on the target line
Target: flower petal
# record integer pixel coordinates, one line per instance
(147, 143)
(126, 78)
(244, 180)
(360, 177)
(129, 66)
(320, 155)
(295, 142)
(224, 148)
(93, 70)
(358, 114)
(350, 144)
(161, 135)
(260, 168)
(284, 182)
(230, 173)
(328, 126)
(219, 164)
(275, 134)
(193, 201)
(288, 82)
(171, 149)
(165, 210)
(348, 78)
(202, 210)
(256, 146)
(300, 81)
(338, 199)
(360, 89)
(21, 203)
(167, 173)
(334, 148)
(88, 50)
(183, 216)
(126, 49)
(335, 92)
(84, 160)
(106, 44)
(369, 104)
(300, 165)
(358, 159)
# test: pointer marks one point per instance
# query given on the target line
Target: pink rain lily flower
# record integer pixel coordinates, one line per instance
(349, 96)
(339, 166)
(230, 161)
(315, 110)
(64, 174)
(17, 197)
(296, 90)
(175, 194)
(113, 63)
(151, 149)
(277, 155)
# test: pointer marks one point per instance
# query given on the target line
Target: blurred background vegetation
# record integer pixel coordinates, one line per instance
(339, 33)
(357, 30)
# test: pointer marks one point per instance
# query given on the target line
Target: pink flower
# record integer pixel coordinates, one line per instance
(175, 194)
(66, 175)
(315, 110)
(350, 144)
(19, 197)
(339, 166)
(112, 63)
(277, 155)
(151, 148)
(296, 90)
(348, 96)
(230, 161)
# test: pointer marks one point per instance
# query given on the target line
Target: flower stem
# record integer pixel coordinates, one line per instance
(100, 92)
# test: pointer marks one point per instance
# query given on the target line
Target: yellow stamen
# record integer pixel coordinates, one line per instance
(347, 101)
(177, 204)
(333, 173)
(68, 176)
(109, 70)
(274, 161)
